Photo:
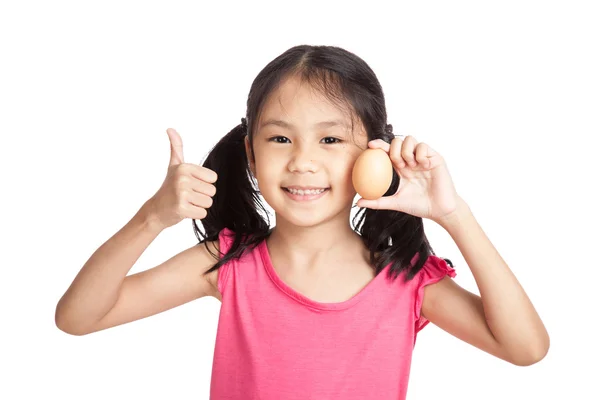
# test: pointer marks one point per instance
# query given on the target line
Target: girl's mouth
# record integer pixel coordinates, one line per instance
(305, 195)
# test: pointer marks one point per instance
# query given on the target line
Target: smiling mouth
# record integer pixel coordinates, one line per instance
(305, 192)
(306, 195)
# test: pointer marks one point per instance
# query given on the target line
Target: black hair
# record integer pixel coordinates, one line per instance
(344, 78)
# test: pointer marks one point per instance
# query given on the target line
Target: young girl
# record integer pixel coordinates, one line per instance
(313, 308)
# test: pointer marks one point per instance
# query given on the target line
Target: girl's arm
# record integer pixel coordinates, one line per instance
(102, 296)
(503, 321)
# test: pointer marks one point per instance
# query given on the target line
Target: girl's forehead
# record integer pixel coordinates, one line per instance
(296, 96)
(295, 102)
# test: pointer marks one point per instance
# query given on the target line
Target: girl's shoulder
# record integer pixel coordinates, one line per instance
(435, 268)
(222, 245)
(212, 278)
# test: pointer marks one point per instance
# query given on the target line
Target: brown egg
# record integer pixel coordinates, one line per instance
(372, 174)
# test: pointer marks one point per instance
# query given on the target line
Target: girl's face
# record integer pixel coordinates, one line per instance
(304, 141)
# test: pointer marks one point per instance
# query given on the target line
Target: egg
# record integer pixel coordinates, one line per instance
(372, 174)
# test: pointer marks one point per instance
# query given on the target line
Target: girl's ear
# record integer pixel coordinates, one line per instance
(249, 156)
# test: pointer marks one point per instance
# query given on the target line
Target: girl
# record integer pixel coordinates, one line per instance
(312, 308)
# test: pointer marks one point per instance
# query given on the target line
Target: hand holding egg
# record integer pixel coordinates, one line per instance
(425, 190)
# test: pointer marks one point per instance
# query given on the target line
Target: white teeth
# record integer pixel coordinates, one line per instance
(306, 192)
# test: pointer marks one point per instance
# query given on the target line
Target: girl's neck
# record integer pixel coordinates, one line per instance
(312, 249)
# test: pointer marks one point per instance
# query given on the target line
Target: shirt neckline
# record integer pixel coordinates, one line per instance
(299, 297)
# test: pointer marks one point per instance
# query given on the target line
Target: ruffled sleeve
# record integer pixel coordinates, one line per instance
(434, 269)
(226, 237)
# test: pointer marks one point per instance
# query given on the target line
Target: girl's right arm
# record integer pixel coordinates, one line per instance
(102, 295)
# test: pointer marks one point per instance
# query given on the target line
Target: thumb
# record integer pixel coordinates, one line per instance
(382, 203)
(176, 147)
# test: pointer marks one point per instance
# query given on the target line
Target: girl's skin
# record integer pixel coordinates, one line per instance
(314, 249)
(311, 239)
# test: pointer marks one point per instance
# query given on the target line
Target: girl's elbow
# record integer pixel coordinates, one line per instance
(537, 354)
(63, 323)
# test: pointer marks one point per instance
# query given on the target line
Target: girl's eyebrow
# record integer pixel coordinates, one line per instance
(287, 125)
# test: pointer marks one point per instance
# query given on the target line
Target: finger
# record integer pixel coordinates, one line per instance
(422, 155)
(395, 152)
(176, 147)
(194, 212)
(408, 150)
(200, 186)
(203, 173)
(379, 144)
(200, 200)
(385, 203)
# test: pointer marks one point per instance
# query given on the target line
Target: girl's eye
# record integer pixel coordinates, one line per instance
(282, 139)
(334, 140)
(276, 139)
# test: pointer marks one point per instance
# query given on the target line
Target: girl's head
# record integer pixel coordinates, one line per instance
(310, 113)
(299, 139)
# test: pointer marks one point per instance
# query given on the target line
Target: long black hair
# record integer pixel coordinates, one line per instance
(343, 77)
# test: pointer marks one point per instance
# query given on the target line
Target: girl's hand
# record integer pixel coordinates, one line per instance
(186, 192)
(426, 189)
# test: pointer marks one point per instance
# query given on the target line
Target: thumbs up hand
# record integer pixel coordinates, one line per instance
(187, 190)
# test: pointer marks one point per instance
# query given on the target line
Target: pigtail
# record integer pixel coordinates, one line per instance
(395, 236)
(236, 202)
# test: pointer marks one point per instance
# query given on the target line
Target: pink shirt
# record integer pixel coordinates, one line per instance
(274, 343)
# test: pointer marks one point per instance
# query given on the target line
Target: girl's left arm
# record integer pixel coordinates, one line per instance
(502, 321)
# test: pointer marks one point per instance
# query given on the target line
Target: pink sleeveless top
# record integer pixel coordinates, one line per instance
(274, 343)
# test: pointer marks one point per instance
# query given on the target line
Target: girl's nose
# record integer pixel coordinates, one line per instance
(303, 161)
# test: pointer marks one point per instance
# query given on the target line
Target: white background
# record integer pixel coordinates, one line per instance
(508, 92)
